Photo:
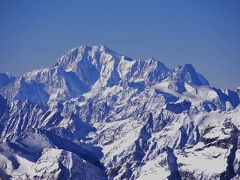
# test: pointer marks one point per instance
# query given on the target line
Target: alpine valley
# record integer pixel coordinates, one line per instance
(97, 114)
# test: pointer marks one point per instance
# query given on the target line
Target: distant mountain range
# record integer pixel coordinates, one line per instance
(97, 114)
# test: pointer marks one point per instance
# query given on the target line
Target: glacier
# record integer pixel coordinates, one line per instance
(97, 114)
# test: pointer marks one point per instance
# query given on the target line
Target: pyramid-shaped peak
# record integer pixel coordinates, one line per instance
(187, 73)
(188, 67)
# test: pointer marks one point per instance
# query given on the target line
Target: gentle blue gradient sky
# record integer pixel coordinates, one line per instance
(206, 33)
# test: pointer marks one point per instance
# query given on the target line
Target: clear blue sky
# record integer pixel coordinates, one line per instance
(205, 33)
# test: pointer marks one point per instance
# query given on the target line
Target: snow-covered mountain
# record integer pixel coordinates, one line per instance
(97, 114)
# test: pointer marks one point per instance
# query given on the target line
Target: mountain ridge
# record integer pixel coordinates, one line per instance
(71, 74)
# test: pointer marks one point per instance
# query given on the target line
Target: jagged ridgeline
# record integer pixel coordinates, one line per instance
(97, 114)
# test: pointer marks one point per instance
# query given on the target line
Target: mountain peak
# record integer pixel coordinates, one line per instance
(83, 52)
(137, 116)
(187, 73)
(88, 67)
(95, 48)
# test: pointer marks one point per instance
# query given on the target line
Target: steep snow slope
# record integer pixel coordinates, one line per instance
(98, 114)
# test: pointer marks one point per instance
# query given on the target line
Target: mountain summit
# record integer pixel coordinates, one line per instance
(87, 67)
